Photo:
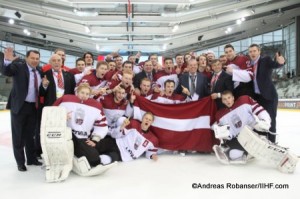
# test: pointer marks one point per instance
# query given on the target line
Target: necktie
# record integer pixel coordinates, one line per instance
(193, 86)
(149, 76)
(213, 81)
(60, 82)
(36, 90)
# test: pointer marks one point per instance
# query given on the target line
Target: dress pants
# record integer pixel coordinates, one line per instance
(271, 107)
(23, 127)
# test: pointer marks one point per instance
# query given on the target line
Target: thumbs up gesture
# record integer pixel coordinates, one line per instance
(279, 58)
(185, 90)
(45, 81)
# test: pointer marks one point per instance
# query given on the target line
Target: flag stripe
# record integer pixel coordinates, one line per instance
(180, 126)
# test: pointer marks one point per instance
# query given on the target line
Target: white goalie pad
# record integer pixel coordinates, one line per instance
(83, 168)
(221, 131)
(57, 144)
(261, 148)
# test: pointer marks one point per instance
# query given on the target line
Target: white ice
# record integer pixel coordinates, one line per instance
(170, 177)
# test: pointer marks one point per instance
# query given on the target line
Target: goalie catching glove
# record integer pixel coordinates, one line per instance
(222, 131)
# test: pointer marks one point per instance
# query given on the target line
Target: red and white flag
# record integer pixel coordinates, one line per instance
(180, 126)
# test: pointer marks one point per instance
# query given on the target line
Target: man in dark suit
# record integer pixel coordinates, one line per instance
(147, 72)
(220, 82)
(193, 84)
(22, 103)
(264, 89)
(56, 82)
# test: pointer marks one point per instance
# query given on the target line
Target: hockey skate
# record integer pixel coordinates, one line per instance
(221, 154)
(261, 148)
(83, 168)
(57, 144)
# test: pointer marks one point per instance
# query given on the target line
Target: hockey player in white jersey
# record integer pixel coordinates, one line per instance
(235, 126)
(89, 126)
(114, 106)
(130, 140)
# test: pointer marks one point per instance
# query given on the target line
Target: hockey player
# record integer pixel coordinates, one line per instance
(168, 96)
(114, 106)
(84, 115)
(145, 89)
(97, 80)
(235, 125)
(130, 140)
(231, 120)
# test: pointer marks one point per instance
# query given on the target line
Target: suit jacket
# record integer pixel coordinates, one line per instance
(138, 78)
(19, 71)
(49, 94)
(201, 84)
(1, 60)
(265, 67)
(224, 82)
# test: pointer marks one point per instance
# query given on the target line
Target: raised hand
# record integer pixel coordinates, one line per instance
(125, 123)
(9, 54)
(185, 90)
(45, 81)
(279, 58)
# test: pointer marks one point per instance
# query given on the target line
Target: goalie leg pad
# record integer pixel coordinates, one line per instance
(57, 144)
(82, 167)
(261, 148)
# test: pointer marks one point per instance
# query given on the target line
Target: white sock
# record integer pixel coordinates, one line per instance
(235, 154)
(105, 159)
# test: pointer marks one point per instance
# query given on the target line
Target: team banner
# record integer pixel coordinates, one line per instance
(180, 126)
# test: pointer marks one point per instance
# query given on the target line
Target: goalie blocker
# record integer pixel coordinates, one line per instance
(261, 148)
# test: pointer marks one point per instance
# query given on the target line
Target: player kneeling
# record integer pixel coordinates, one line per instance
(239, 143)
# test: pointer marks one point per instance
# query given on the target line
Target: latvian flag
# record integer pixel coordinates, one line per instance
(180, 126)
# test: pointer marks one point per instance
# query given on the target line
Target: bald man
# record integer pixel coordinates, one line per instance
(56, 82)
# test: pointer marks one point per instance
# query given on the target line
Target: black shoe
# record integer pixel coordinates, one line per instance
(36, 163)
(22, 167)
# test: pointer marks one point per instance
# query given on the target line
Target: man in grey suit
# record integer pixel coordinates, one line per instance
(193, 83)
(22, 103)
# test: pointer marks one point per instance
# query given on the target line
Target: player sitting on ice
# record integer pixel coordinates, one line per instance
(234, 127)
(89, 126)
(130, 140)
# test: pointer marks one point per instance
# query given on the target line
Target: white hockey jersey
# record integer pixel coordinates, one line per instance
(112, 110)
(85, 116)
(133, 142)
(241, 114)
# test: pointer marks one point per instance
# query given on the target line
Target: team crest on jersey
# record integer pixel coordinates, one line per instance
(146, 142)
(79, 116)
(137, 143)
(236, 121)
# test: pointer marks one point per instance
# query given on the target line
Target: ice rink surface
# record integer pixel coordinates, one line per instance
(172, 176)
